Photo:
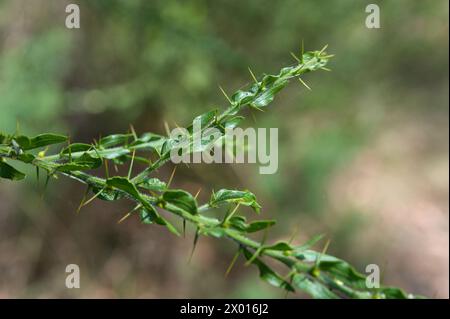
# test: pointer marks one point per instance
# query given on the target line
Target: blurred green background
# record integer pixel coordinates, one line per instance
(363, 156)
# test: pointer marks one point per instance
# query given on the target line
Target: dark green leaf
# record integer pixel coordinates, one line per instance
(281, 246)
(76, 147)
(41, 140)
(89, 161)
(9, 172)
(125, 185)
(259, 225)
(149, 215)
(26, 158)
(153, 184)
(4, 139)
(216, 232)
(149, 141)
(233, 122)
(344, 272)
(115, 139)
(234, 196)
(181, 200)
(334, 267)
(83, 162)
(242, 97)
(268, 95)
(148, 138)
(169, 226)
(238, 222)
(204, 120)
(268, 274)
(4, 149)
(117, 154)
(312, 287)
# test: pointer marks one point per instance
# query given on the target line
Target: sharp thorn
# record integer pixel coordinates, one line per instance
(130, 169)
(323, 49)
(253, 75)
(166, 128)
(324, 250)
(124, 217)
(171, 176)
(225, 94)
(133, 132)
(233, 261)
(198, 192)
(295, 57)
(304, 83)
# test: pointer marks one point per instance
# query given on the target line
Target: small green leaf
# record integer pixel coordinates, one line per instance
(83, 162)
(170, 227)
(115, 139)
(149, 215)
(271, 85)
(259, 225)
(242, 97)
(166, 148)
(148, 138)
(4, 138)
(181, 200)
(22, 141)
(149, 141)
(333, 266)
(89, 161)
(267, 274)
(343, 271)
(280, 246)
(119, 155)
(76, 147)
(216, 232)
(5, 149)
(41, 140)
(312, 287)
(238, 222)
(128, 187)
(124, 184)
(234, 196)
(153, 184)
(203, 120)
(233, 122)
(26, 157)
(9, 172)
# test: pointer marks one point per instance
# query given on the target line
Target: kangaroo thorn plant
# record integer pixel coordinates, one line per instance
(315, 273)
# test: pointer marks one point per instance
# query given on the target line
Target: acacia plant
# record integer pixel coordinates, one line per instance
(316, 273)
